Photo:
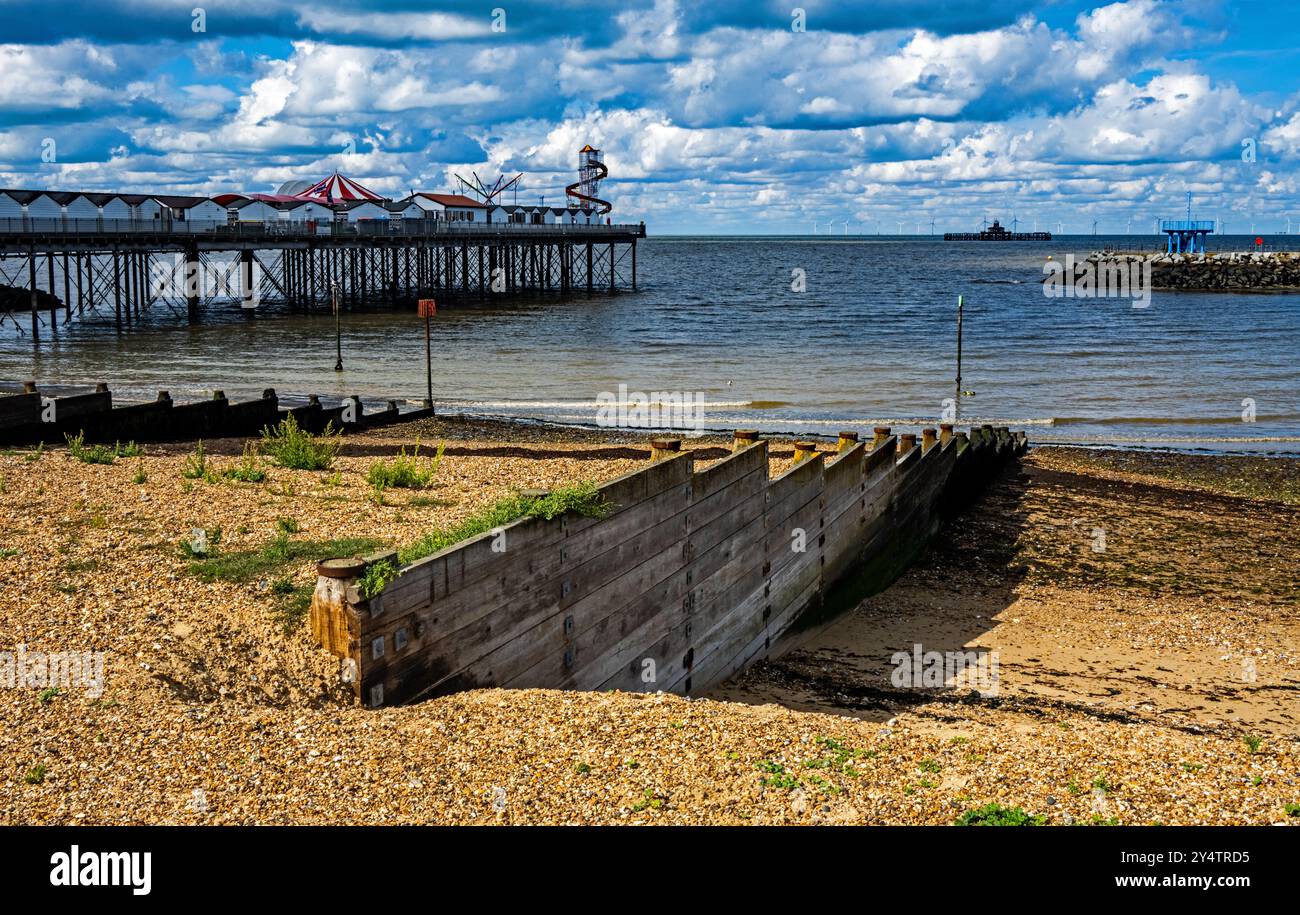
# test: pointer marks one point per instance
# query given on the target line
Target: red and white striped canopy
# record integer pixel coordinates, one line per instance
(338, 189)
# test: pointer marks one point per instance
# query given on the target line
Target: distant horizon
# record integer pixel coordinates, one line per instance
(709, 116)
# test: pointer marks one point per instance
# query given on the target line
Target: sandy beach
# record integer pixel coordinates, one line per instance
(1152, 680)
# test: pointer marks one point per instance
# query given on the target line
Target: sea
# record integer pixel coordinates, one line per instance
(804, 335)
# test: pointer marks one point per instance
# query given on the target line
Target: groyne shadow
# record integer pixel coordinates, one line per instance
(877, 657)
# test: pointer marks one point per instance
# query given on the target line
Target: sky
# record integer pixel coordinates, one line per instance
(713, 117)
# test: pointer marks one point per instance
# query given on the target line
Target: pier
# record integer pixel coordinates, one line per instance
(109, 270)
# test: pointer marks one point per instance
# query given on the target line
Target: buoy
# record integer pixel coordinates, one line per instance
(967, 393)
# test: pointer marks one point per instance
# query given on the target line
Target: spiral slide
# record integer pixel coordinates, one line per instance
(591, 181)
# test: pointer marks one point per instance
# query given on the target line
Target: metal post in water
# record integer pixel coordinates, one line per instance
(428, 308)
(338, 330)
(957, 401)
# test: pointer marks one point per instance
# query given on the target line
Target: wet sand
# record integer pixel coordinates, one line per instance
(1145, 587)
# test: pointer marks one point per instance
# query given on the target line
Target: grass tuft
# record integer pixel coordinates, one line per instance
(582, 498)
(404, 472)
(289, 445)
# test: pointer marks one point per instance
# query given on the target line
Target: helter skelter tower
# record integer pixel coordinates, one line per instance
(590, 172)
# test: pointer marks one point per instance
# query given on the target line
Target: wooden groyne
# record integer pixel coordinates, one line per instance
(693, 576)
(1222, 271)
(30, 418)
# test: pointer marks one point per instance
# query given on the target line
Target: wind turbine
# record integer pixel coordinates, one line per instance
(1128, 227)
(1094, 228)
(1015, 223)
(900, 227)
(1060, 227)
(846, 227)
(1288, 222)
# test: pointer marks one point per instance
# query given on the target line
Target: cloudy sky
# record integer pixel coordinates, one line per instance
(747, 116)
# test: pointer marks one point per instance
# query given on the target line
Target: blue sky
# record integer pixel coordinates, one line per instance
(713, 117)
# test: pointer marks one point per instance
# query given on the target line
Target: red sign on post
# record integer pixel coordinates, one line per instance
(1259, 242)
(428, 308)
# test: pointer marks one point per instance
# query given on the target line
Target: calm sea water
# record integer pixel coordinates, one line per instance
(871, 341)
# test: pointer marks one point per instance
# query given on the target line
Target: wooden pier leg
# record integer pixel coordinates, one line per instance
(192, 284)
(67, 290)
(142, 286)
(611, 266)
(482, 287)
(117, 288)
(634, 266)
(49, 275)
(90, 278)
(464, 267)
(31, 277)
(81, 294)
(128, 282)
(589, 288)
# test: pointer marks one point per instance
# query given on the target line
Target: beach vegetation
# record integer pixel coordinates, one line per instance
(1253, 743)
(196, 463)
(248, 469)
(292, 603)
(35, 454)
(376, 577)
(648, 800)
(583, 498)
(89, 454)
(994, 814)
(291, 446)
(775, 775)
(406, 472)
(249, 565)
(140, 477)
(36, 774)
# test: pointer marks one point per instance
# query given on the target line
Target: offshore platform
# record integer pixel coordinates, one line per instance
(997, 232)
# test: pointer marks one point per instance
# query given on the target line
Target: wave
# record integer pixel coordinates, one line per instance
(1168, 420)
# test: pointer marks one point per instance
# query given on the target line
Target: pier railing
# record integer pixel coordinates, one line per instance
(308, 228)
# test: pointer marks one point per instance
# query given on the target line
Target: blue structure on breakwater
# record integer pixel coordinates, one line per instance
(1186, 236)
